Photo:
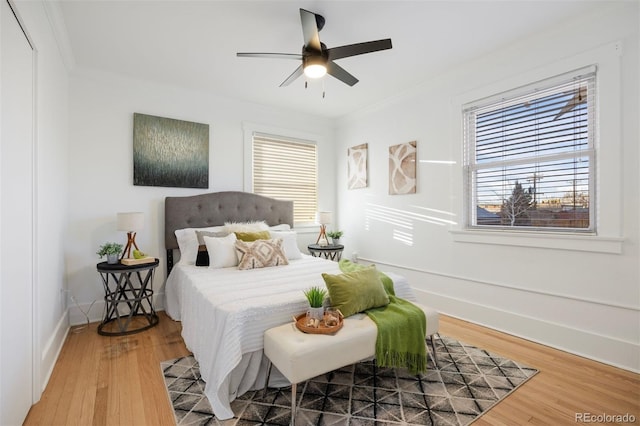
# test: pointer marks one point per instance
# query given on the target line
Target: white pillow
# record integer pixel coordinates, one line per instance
(222, 251)
(188, 243)
(289, 243)
(255, 226)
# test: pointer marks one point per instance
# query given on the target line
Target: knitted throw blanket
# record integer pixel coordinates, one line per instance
(401, 329)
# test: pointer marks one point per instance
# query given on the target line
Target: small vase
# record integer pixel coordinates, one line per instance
(112, 259)
(335, 241)
(315, 313)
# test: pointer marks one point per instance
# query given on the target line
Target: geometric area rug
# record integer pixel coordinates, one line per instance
(467, 383)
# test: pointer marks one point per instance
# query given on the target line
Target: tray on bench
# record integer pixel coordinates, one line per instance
(322, 327)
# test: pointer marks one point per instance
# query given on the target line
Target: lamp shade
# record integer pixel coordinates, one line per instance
(323, 218)
(130, 221)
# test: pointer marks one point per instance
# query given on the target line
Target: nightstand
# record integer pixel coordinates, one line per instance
(332, 252)
(128, 298)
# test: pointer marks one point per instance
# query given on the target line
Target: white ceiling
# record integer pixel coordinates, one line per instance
(193, 44)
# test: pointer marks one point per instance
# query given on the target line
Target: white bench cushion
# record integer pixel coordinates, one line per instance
(299, 356)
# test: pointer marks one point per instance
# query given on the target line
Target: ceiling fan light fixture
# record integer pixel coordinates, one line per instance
(315, 66)
(315, 70)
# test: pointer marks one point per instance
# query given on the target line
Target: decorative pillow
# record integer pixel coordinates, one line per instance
(188, 243)
(252, 236)
(222, 252)
(289, 243)
(356, 291)
(348, 266)
(201, 234)
(260, 254)
(202, 257)
(255, 226)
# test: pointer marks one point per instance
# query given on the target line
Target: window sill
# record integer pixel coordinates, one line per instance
(588, 243)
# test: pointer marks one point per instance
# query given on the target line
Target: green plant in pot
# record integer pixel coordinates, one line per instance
(111, 250)
(335, 236)
(315, 296)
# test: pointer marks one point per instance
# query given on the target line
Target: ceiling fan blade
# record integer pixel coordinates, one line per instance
(358, 49)
(340, 73)
(297, 73)
(270, 55)
(310, 30)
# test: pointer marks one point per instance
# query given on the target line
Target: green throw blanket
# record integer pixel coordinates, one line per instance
(401, 329)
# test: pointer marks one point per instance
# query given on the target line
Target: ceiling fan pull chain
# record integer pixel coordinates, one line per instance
(323, 88)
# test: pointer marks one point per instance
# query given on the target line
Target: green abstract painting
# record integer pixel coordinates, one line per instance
(169, 152)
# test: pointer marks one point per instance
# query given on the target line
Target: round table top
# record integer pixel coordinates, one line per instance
(105, 266)
(328, 247)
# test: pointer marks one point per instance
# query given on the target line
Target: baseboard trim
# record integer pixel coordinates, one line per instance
(611, 351)
(53, 348)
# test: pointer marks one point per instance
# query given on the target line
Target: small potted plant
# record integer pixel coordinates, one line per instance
(335, 237)
(111, 250)
(315, 296)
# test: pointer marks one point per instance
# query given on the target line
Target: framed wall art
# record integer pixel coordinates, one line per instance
(402, 168)
(169, 152)
(357, 170)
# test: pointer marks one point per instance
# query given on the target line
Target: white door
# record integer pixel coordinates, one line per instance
(16, 220)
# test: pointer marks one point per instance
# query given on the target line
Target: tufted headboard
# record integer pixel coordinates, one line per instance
(216, 208)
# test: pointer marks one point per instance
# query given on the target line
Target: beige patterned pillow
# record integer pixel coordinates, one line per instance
(260, 254)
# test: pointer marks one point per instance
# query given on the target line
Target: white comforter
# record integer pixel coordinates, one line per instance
(225, 312)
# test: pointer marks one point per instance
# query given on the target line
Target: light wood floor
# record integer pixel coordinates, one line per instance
(117, 380)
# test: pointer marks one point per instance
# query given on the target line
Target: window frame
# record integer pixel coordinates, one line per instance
(251, 129)
(609, 236)
(508, 99)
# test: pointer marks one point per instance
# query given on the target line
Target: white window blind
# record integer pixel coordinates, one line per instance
(287, 169)
(529, 157)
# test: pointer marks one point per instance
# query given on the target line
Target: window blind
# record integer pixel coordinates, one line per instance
(529, 156)
(287, 169)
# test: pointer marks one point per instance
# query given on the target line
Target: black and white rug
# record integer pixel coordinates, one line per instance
(467, 382)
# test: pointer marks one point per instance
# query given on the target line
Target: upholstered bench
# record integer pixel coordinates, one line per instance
(299, 356)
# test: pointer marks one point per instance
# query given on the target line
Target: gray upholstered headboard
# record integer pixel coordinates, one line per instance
(216, 208)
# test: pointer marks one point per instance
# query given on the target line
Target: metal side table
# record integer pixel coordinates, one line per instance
(332, 252)
(128, 293)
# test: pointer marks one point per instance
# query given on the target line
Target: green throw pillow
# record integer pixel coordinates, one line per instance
(253, 236)
(356, 291)
(348, 266)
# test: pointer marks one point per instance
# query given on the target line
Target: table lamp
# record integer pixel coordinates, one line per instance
(323, 218)
(130, 222)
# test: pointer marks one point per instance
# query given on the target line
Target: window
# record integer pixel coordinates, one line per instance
(529, 160)
(287, 169)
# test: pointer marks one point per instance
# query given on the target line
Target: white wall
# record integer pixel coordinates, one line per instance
(51, 160)
(581, 296)
(101, 176)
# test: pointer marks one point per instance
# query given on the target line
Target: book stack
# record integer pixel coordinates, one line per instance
(132, 261)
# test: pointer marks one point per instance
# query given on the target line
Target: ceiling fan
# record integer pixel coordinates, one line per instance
(316, 59)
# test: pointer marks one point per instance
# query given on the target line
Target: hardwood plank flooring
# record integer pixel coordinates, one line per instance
(101, 380)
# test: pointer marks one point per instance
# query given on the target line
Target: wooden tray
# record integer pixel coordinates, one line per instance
(322, 328)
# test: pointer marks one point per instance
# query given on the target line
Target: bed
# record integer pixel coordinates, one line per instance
(224, 310)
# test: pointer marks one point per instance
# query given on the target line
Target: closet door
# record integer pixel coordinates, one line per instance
(16, 220)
